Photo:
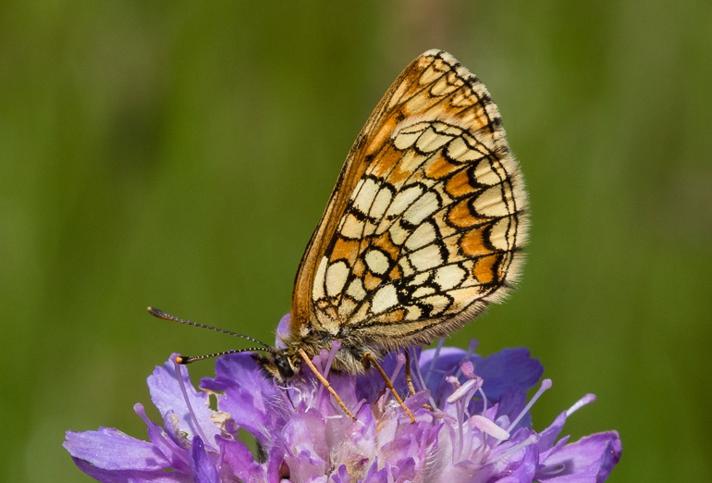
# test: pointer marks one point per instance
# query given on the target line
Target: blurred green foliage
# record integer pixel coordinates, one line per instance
(180, 153)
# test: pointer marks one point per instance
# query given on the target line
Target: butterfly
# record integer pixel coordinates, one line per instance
(424, 228)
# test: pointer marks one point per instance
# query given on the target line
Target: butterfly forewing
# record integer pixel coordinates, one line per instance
(426, 222)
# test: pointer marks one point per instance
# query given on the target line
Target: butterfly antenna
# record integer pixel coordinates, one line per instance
(158, 313)
(181, 359)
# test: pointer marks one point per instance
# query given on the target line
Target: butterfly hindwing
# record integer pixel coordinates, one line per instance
(426, 223)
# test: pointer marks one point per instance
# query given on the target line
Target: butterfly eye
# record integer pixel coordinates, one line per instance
(284, 367)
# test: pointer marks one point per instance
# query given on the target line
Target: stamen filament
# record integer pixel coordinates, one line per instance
(198, 428)
(400, 362)
(489, 427)
(545, 386)
(335, 346)
(587, 399)
(460, 427)
(484, 399)
(461, 391)
(421, 380)
(441, 343)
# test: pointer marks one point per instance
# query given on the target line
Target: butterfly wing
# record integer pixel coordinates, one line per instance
(427, 220)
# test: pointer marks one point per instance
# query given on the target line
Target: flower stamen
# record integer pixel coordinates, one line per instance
(484, 399)
(587, 399)
(461, 391)
(489, 427)
(545, 386)
(189, 406)
(438, 348)
(400, 362)
(423, 386)
(335, 346)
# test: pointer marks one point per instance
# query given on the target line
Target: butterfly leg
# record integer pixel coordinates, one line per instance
(408, 374)
(389, 385)
(326, 384)
(409, 379)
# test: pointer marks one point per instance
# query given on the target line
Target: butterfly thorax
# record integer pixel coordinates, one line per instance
(350, 357)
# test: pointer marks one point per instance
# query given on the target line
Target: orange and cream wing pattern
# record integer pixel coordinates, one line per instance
(427, 221)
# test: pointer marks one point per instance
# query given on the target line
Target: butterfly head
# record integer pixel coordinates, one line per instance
(280, 364)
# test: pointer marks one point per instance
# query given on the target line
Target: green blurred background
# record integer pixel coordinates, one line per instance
(180, 154)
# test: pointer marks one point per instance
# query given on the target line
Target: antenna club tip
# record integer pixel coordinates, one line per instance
(156, 312)
(179, 359)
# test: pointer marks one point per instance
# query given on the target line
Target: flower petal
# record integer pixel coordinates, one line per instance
(590, 459)
(370, 385)
(305, 466)
(548, 436)
(507, 373)
(275, 463)
(341, 475)
(284, 331)
(111, 449)
(522, 470)
(509, 370)
(126, 476)
(305, 434)
(375, 475)
(167, 396)
(162, 441)
(238, 461)
(252, 400)
(204, 468)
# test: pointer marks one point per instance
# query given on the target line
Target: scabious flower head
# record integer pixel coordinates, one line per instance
(472, 425)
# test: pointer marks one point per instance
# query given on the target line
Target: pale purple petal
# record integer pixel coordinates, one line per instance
(341, 475)
(252, 400)
(590, 459)
(370, 385)
(547, 437)
(111, 449)
(284, 329)
(238, 463)
(404, 469)
(178, 456)
(113, 476)
(375, 475)
(520, 470)
(167, 396)
(305, 466)
(275, 463)
(204, 467)
(345, 387)
(305, 434)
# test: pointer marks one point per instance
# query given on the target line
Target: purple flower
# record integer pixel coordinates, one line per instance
(472, 425)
